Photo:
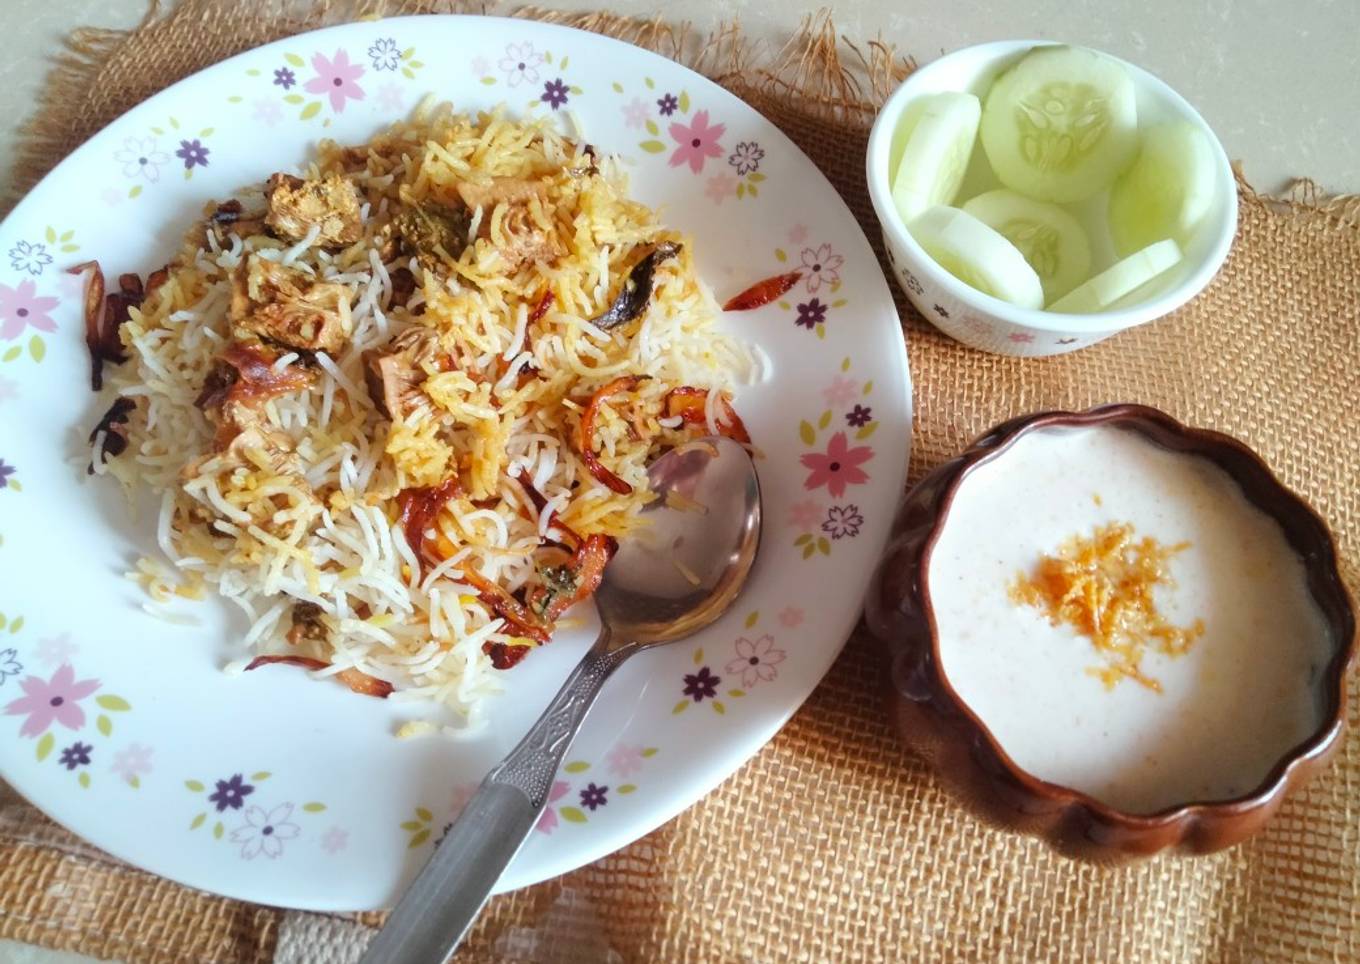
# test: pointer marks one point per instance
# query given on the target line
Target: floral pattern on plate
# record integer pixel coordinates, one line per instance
(243, 815)
(834, 465)
(577, 795)
(753, 660)
(57, 710)
(692, 139)
(525, 68)
(328, 81)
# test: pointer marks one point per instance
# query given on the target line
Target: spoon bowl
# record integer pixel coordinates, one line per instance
(675, 574)
(687, 562)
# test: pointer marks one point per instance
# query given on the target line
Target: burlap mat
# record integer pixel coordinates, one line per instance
(833, 843)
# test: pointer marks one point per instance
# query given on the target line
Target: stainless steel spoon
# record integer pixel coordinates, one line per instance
(673, 577)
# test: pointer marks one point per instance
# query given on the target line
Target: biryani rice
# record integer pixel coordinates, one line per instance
(265, 538)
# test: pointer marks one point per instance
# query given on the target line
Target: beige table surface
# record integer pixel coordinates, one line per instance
(1279, 82)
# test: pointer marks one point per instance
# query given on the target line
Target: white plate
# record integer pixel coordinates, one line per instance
(149, 740)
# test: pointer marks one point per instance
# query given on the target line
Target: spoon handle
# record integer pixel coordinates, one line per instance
(435, 913)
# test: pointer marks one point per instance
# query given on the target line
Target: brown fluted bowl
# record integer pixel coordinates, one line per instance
(935, 721)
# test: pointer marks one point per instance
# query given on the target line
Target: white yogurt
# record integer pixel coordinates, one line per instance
(1244, 695)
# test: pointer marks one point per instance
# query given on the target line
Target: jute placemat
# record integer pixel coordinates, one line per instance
(833, 843)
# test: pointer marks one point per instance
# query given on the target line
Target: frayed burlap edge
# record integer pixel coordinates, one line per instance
(818, 73)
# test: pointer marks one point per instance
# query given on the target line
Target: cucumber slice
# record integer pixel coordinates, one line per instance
(1061, 124)
(1121, 280)
(1052, 241)
(1167, 192)
(935, 152)
(977, 255)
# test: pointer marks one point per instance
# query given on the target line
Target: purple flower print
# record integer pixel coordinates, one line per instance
(520, 64)
(747, 157)
(285, 78)
(702, 685)
(696, 142)
(667, 104)
(593, 797)
(811, 314)
(334, 840)
(384, 54)
(843, 521)
(193, 153)
(131, 762)
(140, 158)
(635, 113)
(29, 257)
(755, 660)
(337, 78)
(231, 794)
(548, 822)
(265, 831)
(624, 760)
(52, 701)
(554, 93)
(9, 664)
(20, 307)
(841, 391)
(76, 755)
(821, 265)
(5, 472)
(859, 416)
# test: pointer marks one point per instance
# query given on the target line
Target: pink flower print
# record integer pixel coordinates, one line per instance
(336, 78)
(821, 265)
(21, 307)
(790, 617)
(265, 831)
(57, 699)
(805, 514)
(520, 64)
(391, 97)
(756, 661)
(140, 158)
(720, 187)
(841, 391)
(9, 390)
(267, 112)
(56, 650)
(635, 113)
(334, 840)
(1020, 337)
(697, 140)
(838, 467)
(798, 234)
(131, 762)
(548, 822)
(624, 760)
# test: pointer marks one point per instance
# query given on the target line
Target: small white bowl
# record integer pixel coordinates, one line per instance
(988, 323)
